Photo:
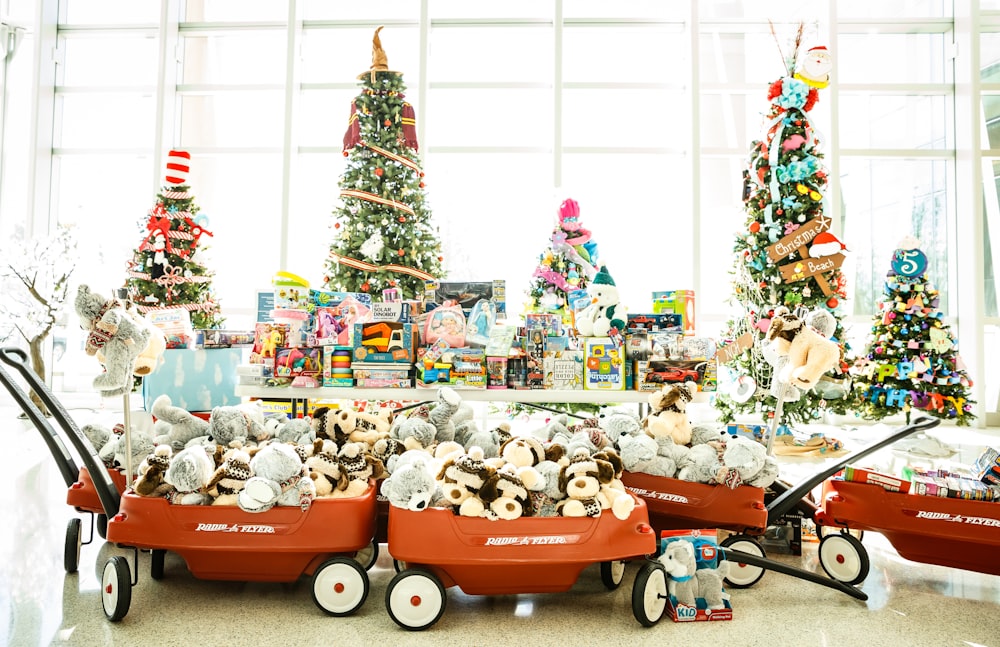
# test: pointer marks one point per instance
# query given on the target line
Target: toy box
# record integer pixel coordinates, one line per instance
(175, 323)
(501, 338)
(303, 407)
(327, 298)
(467, 293)
(678, 302)
(334, 324)
(268, 337)
(196, 380)
(534, 352)
(337, 366)
(391, 311)
(655, 322)
(460, 368)
(496, 372)
(290, 291)
(383, 383)
(604, 365)
(214, 338)
(987, 466)
(551, 324)
(651, 375)
(296, 361)
(706, 550)
(385, 341)
(563, 369)
(890, 483)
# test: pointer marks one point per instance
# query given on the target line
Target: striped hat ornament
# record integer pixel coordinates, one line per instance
(178, 166)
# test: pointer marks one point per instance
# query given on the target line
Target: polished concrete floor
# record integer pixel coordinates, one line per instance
(40, 604)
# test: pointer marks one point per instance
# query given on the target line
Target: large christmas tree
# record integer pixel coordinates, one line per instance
(912, 360)
(568, 264)
(165, 271)
(786, 256)
(384, 237)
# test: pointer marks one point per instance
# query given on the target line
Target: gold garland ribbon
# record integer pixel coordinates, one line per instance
(405, 161)
(371, 267)
(371, 197)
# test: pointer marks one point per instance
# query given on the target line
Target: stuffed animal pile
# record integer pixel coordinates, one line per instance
(665, 444)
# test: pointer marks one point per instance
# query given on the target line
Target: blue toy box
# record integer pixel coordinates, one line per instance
(196, 380)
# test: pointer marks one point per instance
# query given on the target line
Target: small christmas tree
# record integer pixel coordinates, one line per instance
(912, 360)
(384, 236)
(165, 271)
(786, 256)
(568, 264)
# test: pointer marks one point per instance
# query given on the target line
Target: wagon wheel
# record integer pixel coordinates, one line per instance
(398, 566)
(742, 576)
(71, 554)
(156, 558)
(844, 558)
(102, 525)
(649, 594)
(823, 531)
(368, 555)
(612, 573)
(340, 586)
(116, 588)
(415, 599)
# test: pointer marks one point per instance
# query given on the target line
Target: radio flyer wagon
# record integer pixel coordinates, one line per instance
(482, 557)
(81, 492)
(222, 542)
(674, 504)
(958, 533)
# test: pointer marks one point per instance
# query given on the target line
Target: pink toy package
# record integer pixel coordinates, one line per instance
(446, 322)
(335, 323)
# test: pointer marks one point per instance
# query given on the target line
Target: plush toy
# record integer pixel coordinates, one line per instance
(442, 414)
(230, 477)
(279, 478)
(809, 353)
(604, 313)
(116, 334)
(556, 426)
(297, 431)
(325, 470)
(233, 426)
(613, 495)
(618, 421)
(581, 479)
(349, 426)
(506, 493)
(142, 446)
(686, 582)
(528, 451)
(149, 359)
(667, 417)
(703, 464)
(461, 478)
(359, 466)
(546, 495)
(415, 431)
(487, 441)
(151, 471)
(640, 454)
(411, 485)
(708, 432)
(749, 460)
(183, 425)
(189, 472)
(388, 450)
(99, 436)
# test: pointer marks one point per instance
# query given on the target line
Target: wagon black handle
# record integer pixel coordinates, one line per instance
(64, 460)
(740, 557)
(106, 490)
(791, 498)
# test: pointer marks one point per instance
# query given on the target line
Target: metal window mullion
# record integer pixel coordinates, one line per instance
(557, 94)
(41, 205)
(423, 83)
(694, 83)
(293, 33)
(166, 83)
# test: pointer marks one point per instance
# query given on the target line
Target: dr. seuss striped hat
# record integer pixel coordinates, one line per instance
(178, 165)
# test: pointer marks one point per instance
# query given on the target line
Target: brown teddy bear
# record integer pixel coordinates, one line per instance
(461, 478)
(667, 417)
(809, 353)
(150, 481)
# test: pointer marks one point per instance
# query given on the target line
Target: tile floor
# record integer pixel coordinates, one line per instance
(40, 604)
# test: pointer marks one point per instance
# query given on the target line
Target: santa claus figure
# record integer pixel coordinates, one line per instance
(815, 68)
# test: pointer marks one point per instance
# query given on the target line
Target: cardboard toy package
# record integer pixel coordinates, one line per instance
(706, 559)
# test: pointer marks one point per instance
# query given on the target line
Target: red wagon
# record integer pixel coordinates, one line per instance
(526, 555)
(216, 542)
(932, 530)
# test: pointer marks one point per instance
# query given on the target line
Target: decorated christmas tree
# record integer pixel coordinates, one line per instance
(568, 264)
(165, 270)
(786, 254)
(911, 361)
(384, 237)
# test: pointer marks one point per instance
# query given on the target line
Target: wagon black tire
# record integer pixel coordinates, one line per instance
(649, 594)
(415, 599)
(844, 558)
(156, 558)
(743, 576)
(116, 588)
(340, 586)
(368, 555)
(612, 573)
(74, 540)
(102, 525)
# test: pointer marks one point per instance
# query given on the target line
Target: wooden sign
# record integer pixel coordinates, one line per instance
(812, 267)
(797, 239)
(731, 351)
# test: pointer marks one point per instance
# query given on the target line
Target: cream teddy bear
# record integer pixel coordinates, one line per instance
(809, 353)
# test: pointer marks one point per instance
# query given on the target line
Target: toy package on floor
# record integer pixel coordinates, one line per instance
(694, 575)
